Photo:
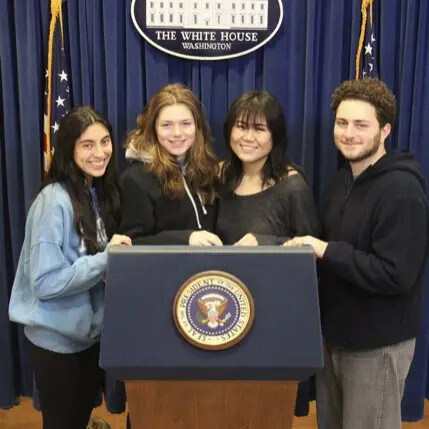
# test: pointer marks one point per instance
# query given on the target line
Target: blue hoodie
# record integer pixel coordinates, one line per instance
(58, 290)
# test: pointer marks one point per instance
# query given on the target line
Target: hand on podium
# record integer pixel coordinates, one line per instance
(204, 238)
(319, 246)
(120, 240)
(247, 240)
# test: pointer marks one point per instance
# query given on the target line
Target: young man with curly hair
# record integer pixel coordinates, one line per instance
(375, 221)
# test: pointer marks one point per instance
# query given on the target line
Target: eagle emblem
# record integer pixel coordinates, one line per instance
(213, 306)
(213, 310)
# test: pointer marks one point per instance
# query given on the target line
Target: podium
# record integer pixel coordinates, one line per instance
(171, 383)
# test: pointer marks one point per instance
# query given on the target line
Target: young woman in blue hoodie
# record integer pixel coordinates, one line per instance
(58, 289)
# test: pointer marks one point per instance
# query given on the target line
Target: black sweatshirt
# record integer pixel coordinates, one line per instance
(274, 215)
(371, 274)
(150, 217)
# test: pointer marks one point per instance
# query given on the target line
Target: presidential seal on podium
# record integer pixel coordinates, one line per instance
(213, 310)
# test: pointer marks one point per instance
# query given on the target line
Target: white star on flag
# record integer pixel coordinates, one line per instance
(55, 127)
(368, 49)
(63, 75)
(60, 101)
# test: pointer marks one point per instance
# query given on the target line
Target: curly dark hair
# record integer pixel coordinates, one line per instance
(374, 92)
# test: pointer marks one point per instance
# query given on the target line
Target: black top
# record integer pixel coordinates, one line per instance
(149, 217)
(273, 215)
(371, 272)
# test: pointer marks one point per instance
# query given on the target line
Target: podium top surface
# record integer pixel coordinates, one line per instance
(197, 250)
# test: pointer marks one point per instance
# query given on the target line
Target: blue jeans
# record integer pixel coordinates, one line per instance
(363, 389)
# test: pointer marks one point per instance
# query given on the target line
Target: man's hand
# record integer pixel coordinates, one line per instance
(319, 246)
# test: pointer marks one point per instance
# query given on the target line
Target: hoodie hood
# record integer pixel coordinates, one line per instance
(394, 160)
(133, 154)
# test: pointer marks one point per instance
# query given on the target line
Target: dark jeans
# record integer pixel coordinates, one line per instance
(67, 383)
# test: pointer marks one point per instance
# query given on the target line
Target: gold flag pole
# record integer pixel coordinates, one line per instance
(55, 13)
(364, 7)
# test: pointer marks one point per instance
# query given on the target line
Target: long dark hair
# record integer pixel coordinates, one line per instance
(248, 107)
(64, 170)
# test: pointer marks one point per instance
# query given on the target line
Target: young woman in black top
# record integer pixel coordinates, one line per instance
(264, 197)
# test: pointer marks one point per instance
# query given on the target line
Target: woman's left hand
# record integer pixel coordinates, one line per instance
(120, 240)
(204, 238)
(248, 240)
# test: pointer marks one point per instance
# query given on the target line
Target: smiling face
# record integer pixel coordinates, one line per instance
(175, 129)
(251, 141)
(358, 135)
(92, 151)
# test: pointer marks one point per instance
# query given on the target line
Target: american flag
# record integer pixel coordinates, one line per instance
(367, 57)
(57, 82)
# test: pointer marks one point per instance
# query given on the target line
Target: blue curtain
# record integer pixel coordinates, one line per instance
(113, 69)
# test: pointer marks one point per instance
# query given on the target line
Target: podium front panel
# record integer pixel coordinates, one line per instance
(140, 340)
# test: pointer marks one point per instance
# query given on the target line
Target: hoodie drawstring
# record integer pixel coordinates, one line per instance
(133, 153)
(193, 203)
(202, 204)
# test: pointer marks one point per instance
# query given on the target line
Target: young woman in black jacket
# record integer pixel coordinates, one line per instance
(169, 190)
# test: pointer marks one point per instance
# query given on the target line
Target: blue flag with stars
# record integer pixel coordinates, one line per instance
(57, 83)
(367, 52)
(370, 48)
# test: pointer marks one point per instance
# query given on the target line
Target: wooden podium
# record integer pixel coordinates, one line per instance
(211, 404)
(171, 383)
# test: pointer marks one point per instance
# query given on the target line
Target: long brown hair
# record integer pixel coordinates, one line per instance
(201, 162)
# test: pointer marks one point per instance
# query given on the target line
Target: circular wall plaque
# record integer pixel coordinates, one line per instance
(209, 29)
(213, 310)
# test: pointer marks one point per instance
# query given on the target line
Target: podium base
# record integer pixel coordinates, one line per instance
(211, 404)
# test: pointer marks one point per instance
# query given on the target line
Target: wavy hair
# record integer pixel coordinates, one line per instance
(371, 90)
(200, 160)
(250, 106)
(64, 170)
